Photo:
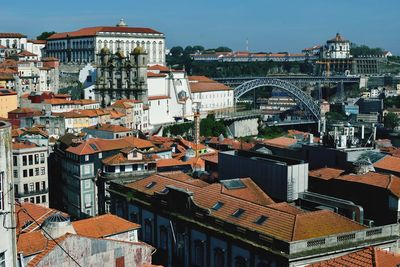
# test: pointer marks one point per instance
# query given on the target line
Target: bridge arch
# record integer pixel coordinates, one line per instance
(299, 96)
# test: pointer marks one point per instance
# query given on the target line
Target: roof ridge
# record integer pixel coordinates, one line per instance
(294, 227)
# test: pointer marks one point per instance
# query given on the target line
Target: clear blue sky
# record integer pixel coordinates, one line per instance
(285, 25)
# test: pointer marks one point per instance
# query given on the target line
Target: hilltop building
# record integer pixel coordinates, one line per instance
(84, 44)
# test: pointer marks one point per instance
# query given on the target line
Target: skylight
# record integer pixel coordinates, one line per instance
(150, 185)
(164, 191)
(94, 147)
(217, 205)
(238, 213)
(261, 220)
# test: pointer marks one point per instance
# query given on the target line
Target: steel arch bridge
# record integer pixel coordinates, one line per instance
(299, 96)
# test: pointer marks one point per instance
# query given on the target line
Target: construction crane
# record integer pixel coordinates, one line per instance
(327, 70)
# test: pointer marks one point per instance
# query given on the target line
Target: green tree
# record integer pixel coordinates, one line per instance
(391, 120)
(335, 116)
(363, 50)
(223, 49)
(176, 51)
(211, 127)
(198, 48)
(45, 35)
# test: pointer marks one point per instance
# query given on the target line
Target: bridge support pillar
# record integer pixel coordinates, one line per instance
(244, 127)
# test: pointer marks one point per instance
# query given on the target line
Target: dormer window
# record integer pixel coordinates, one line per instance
(260, 220)
(238, 213)
(217, 205)
(150, 185)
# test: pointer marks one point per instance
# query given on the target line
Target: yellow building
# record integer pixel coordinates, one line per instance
(8, 102)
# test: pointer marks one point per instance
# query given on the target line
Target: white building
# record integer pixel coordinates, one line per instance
(30, 173)
(169, 95)
(15, 42)
(210, 95)
(36, 47)
(336, 48)
(7, 231)
(84, 44)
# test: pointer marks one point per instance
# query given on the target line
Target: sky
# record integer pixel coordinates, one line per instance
(269, 26)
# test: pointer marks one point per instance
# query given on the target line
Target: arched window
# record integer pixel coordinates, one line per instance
(240, 262)
(148, 231)
(199, 253)
(219, 257)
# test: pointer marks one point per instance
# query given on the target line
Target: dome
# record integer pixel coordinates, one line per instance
(139, 50)
(121, 23)
(105, 50)
(57, 225)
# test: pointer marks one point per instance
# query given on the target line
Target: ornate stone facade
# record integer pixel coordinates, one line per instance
(120, 76)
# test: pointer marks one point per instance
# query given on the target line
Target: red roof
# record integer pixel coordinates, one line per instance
(158, 67)
(389, 164)
(103, 226)
(367, 257)
(93, 31)
(158, 97)
(11, 35)
(281, 142)
(155, 75)
(109, 128)
(6, 92)
(25, 53)
(282, 223)
(204, 84)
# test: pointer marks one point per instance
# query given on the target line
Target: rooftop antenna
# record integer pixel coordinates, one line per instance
(247, 44)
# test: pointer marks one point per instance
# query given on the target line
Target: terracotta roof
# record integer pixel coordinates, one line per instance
(25, 53)
(389, 163)
(125, 103)
(280, 224)
(49, 58)
(188, 144)
(211, 158)
(158, 75)
(93, 31)
(199, 84)
(62, 101)
(158, 67)
(158, 97)
(37, 41)
(234, 144)
(367, 257)
(196, 162)
(103, 226)
(26, 110)
(326, 173)
(39, 213)
(86, 147)
(386, 181)
(109, 128)
(3, 47)
(281, 142)
(23, 145)
(31, 243)
(170, 163)
(11, 35)
(116, 114)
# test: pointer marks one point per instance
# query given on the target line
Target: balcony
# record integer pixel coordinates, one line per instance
(32, 193)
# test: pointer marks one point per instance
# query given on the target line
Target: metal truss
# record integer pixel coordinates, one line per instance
(299, 96)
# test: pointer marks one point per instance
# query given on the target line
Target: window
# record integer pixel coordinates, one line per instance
(44, 199)
(261, 220)
(37, 199)
(26, 199)
(26, 188)
(43, 185)
(42, 157)
(37, 186)
(219, 258)
(133, 217)
(100, 155)
(32, 200)
(15, 160)
(240, 262)
(148, 231)
(25, 173)
(42, 171)
(217, 205)
(150, 185)
(199, 253)
(88, 200)
(15, 173)
(30, 172)
(36, 171)
(31, 187)
(1, 193)
(24, 161)
(30, 159)
(120, 262)
(86, 157)
(16, 189)
(164, 238)
(87, 184)
(238, 213)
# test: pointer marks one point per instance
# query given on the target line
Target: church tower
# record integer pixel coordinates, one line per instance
(120, 76)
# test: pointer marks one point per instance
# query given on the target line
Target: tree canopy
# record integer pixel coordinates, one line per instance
(363, 50)
(391, 120)
(45, 35)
